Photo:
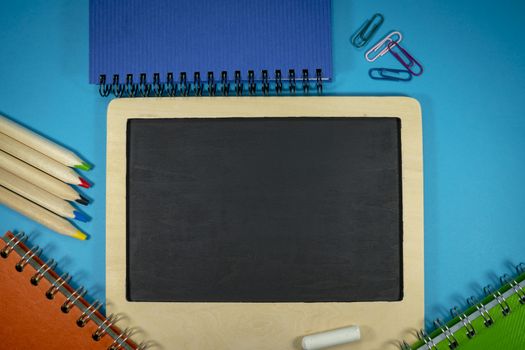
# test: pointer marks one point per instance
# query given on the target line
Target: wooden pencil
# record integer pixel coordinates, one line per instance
(39, 196)
(42, 144)
(41, 161)
(40, 179)
(39, 214)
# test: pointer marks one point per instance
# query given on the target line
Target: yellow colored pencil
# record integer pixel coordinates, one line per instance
(39, 214)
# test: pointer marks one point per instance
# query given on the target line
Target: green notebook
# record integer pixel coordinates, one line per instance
(495, 323)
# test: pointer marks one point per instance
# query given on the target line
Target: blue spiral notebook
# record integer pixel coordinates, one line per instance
(236, 40)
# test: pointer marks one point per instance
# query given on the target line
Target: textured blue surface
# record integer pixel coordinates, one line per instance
(474, 124)
(161, 36)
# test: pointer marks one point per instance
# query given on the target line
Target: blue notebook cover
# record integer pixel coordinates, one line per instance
(169, 36)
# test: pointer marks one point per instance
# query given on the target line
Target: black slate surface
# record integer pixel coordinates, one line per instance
(264, 210)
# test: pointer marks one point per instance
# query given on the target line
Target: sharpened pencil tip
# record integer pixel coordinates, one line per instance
(84, 166)
(84, 183)
(82, 200)
(79, 235)
(80, 216)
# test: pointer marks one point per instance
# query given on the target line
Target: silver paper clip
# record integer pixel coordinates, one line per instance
(383, 45)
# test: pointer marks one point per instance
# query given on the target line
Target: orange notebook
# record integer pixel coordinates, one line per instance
(40, 310)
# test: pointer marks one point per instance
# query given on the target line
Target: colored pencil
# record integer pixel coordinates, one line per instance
(41, 161)
(40, 179)
(39, 214)
(43, 145)
(39, 196)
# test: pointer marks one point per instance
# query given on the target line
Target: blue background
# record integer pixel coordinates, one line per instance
(471, 94)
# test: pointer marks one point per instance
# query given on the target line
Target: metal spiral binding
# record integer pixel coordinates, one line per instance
(171, 86)
(265, 87)
(118, 89)
(306, 81)
(465, 320)
(225, 85)
(158, 87)
(446, 332)
(427, 340)
(12, 243)
(197, 84)
(291, 78)
(131, 88)
(144, 87)
(212, 86)
(55, 286)
(29, 256)
(86, 315)
(101, 330)
(505, 308)
(452, 341)
(42, 270)
(319, 81)
(103, 88)
(121, 339)
(505, 279)
(72, 299)
(252, 86)
(239, 86)
(278, 82)
(184, 85)
(487, 319)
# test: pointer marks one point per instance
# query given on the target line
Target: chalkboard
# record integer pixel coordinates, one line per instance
(264, 209)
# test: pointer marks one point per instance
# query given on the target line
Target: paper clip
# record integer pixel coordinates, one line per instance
(383, 44)
(390, 74)
(367, 30)
(410, 61)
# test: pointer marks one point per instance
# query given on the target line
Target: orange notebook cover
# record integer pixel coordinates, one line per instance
(40, 310)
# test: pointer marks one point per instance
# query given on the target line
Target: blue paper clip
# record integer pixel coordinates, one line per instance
(390, 74)
(367, 30)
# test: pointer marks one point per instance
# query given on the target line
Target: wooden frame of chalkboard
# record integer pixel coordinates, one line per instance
(271, 325)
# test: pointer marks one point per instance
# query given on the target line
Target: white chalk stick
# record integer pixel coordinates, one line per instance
(331, 338)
